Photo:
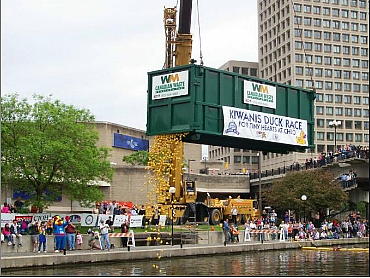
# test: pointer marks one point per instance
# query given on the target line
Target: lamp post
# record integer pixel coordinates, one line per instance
(335, 124)
(304, 198)
(259, 155)
(172, 191)
(205, 158)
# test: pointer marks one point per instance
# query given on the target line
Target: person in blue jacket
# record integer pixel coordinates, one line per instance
(59, 233)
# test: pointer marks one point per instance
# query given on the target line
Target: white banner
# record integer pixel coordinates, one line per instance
(162, 220)
(7, 218)
(259, 94)
(119, 219)
(170, 85)
(265, 127)
(136, 221)
(89, 220)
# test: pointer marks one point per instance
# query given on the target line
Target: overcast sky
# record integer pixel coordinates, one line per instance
(95, 54)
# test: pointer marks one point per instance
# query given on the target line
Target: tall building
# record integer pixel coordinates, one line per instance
(321, 45)
(236, 160)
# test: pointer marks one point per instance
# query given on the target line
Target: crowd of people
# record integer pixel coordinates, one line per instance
(290, 229)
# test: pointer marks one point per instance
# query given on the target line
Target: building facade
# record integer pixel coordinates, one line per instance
(236, 160)
(321, 45)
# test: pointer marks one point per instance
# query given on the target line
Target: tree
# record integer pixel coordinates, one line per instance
(320, 187)
(48, 148)
(137, 158)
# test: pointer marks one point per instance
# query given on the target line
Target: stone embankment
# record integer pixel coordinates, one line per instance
(14, 260)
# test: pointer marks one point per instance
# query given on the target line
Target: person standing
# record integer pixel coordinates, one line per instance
(59, 233)
(104, 236)
(109, 222)
(234, 213)
(79, 240)
(33, 230)
(42, 237)
(124, 229)
(226, 230)
(71, 236)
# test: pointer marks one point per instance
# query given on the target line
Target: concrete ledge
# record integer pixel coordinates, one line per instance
(141, 253)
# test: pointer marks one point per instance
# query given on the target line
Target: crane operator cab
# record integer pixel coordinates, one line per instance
(190, 192)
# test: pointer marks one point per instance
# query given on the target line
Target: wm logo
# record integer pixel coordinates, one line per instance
(260, 88)
(170, 78)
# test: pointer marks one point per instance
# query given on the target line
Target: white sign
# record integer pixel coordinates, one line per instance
(89, 220)
(41, 217)
(170, 85)
(162, 220)
(7, 218)
(119, 220)
(136, 221)
(265, 127)
(259, 94)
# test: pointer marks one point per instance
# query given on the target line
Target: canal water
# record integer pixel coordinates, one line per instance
(267, 263)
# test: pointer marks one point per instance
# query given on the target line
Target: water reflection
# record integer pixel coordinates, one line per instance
(269, 263)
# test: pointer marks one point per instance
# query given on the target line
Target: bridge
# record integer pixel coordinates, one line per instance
(358, 191)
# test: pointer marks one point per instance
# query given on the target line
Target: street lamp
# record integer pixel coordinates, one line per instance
(259, 155)
(335, 124)
(304, 198)
(172, 191)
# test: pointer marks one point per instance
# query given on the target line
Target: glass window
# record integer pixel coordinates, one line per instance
(348, 124)
(358, 137)
(318, 60)
(298, 20)
(299, 58)
(319, 84)
(364, 64)
(338, 111)
(335, 24)
(336, 37)
(349, 136)
(366, 125)
(338, 98)
(346, 74)
(309, 71)
(320, 136)
(356, 75)
(358, 124)
(246, 159)
(328, 98)
(316, 10)
(328, 85)
(307, 21)
(297, 32)
(335, 12)
(327, 36)
(326, 11)
(348, 111)
(363, 39)
(318, 47)
(366, 137)
(345, 38)
(318, 72)
(355, 63)
(319, 97)
(336, 49)
(309, 83)
(354, 14)
(298, 45)
(319, 110)
(363, 27)
(345, 13)
(355, 50)
(357, 112)
(328, 72)
(320, 123)
(330, 136)
(298, 7)
(365, 100)
(329, 110)
(365, 112)
(364, 51)
(354, 38)
(356, 100)
(299, 70)
(317, 22)
(337, 73)
(299, 83)
(327, 60)
(308, 45)
(338, 86)
(347, 99)
(237, 159)
(308, 33)
(354, 26)
(347, 86)
(345, 25)
(307, 8)
(356, 87)
(346, 62)
(362, 15)
(365, 88)
(326, 23)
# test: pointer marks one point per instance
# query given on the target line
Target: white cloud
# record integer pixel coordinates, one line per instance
(96, 54)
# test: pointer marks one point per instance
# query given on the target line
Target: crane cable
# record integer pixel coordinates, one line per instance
(200, 37)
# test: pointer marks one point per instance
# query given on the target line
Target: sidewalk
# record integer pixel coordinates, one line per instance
(156, 252)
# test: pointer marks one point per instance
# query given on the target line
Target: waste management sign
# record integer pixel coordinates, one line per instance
(259, 94)
(262, 126)
(170, 85)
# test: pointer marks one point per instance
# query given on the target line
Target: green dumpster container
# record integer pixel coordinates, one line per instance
(221, 108)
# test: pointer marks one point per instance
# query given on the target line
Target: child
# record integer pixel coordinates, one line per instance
(42, 237)
(79, 240)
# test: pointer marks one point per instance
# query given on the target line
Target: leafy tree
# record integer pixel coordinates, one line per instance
(137, 158)
(320, 187)
(48, 148)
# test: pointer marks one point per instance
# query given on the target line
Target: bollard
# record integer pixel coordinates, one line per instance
(128, 248)
(64, 252)
(225, 243)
